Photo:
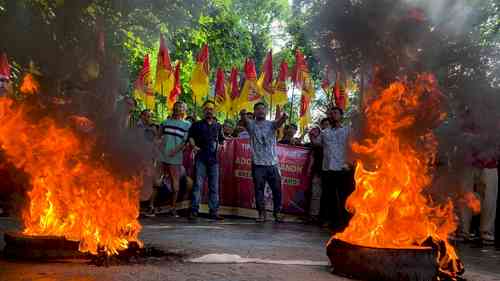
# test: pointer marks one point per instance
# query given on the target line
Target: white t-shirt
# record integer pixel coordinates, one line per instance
(334, 142)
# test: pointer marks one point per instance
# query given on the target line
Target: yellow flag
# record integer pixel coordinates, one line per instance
(280, 95)
(143, 86)
(265, 82)
(222, 99)
(199, 79)
(164, 82)
(308, 95)
(250, 93)
(249, 96)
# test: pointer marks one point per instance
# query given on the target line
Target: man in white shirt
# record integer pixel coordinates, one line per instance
(336, 175)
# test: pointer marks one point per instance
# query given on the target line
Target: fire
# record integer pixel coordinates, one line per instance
(389, 206)
(472, 202)
(82, 123)
(71, 195)
(29, 85)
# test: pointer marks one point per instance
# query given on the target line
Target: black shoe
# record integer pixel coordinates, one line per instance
(193, 216)
(216, 217)
(278, 217)
(150, 212)
(173, 213)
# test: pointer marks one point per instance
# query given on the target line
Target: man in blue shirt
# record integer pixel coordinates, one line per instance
(205, 136)
(173, 139)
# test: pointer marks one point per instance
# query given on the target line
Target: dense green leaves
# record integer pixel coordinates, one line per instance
(62, 37)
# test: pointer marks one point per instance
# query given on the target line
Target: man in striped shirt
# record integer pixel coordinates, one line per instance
(174, 136)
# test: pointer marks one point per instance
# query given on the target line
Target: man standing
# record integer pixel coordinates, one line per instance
(264, 158)
(289, 137)
(145, 124)
(174, 132)
(336, 178)
(205, 136)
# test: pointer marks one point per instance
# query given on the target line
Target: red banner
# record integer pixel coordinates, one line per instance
(237, 190)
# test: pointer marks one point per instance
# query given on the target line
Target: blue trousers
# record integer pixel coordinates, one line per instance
(202, 171)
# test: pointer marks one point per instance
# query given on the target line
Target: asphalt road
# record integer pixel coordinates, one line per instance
(289, 251)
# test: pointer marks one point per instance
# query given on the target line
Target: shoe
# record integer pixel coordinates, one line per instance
(487, 238)
(173, 213)
(262, 217)
(278, 217)
(150, 212)
(216, 217)
(193, 216)
(313, 219)
(461, 237)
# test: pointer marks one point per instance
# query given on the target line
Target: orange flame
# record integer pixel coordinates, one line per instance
(72, 196)
(82, 123)
(472, 202)
(29, 85)
(388, 204)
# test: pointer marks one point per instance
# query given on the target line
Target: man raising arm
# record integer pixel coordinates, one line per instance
(265, 167)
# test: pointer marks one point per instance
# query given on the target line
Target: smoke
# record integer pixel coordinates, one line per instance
(380, 42)
(82, 87)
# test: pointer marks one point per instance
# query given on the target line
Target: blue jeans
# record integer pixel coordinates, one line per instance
(203, 171)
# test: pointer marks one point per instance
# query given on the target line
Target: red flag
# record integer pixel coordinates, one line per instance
(250, 72)
(267, 70)
(143, 86)
(4, 66)
(299, 71)
(340, 96)
(222, 99)
(235, 91)
(203, 58)
(144, 78)
(283, 71)
(164, 56)
(177, 89)
(304, 105)
(337, 90)
(280, 94)
(305, 113)
(220, 87)
(164, 82)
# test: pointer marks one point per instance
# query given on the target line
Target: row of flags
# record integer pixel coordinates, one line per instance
(229, 97)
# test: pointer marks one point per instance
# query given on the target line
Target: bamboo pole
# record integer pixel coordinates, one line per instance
(291, 107)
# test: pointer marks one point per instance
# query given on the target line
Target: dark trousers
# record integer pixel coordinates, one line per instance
(271, 175)
(336, 187)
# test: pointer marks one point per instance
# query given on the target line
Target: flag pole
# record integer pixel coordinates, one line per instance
(161, 89)
(271, 107)
(291, 106)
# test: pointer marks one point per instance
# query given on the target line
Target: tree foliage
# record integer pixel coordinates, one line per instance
(62, 37)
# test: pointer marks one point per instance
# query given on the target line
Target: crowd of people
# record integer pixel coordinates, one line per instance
(332, 171)
(204, 137)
